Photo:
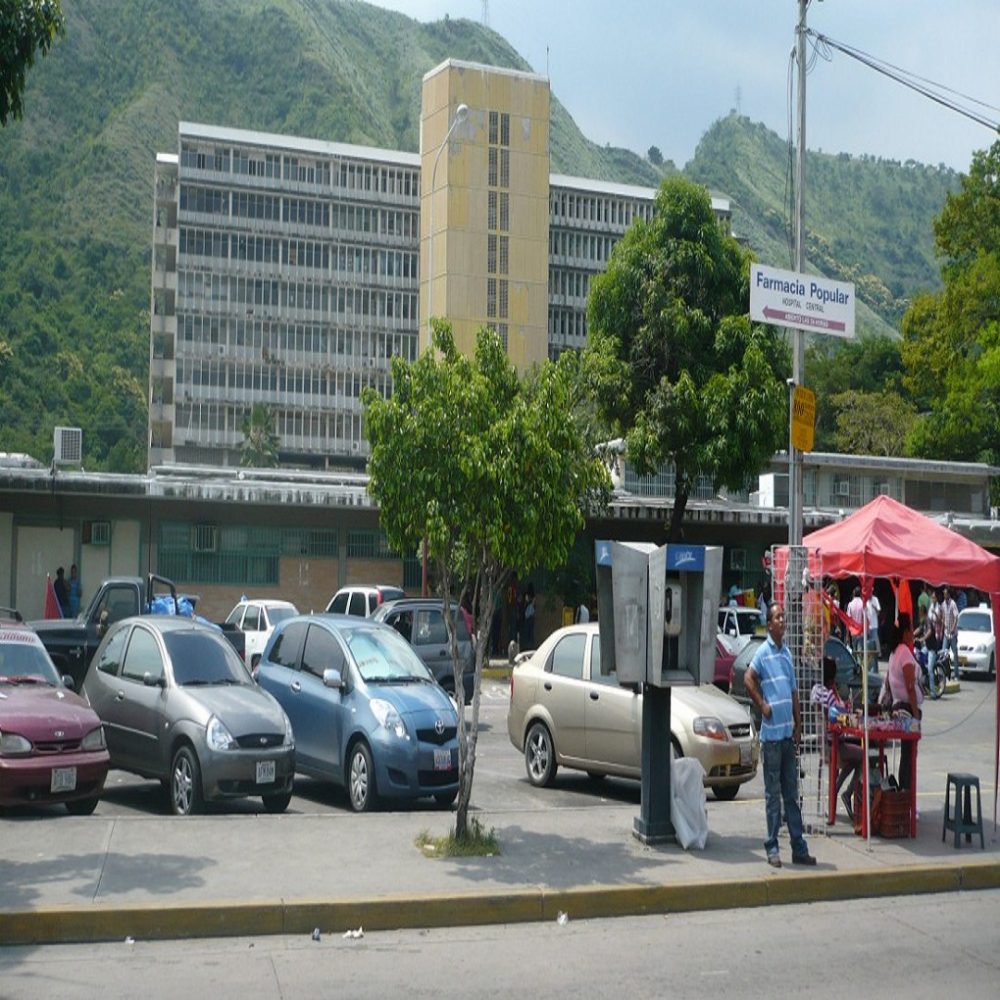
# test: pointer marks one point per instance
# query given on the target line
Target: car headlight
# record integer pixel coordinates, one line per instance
(11, 745)
(388, 717)
(981, 647)
(94, 740)
(217, 736)
(711, 728)
(289, 735)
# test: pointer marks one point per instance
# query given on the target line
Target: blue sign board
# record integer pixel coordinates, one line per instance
(689, 558)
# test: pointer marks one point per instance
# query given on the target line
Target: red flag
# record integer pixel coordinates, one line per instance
(853, 627)
(52, 609)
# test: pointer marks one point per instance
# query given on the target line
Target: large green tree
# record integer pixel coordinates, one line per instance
(26, 27)
(951, 340)
(677, 367)
(496, 477)
(260, 443)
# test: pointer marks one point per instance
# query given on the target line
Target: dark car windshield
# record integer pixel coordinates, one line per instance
(383, 656)
(25, 663)
(203, 658)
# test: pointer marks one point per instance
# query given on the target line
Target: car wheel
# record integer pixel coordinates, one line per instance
(185, 783)
(540, 756)
(81, 807)
(361, 779)
(725, 793)
(445, 799)
(276, 803)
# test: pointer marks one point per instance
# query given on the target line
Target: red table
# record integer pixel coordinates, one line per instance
(877, 737)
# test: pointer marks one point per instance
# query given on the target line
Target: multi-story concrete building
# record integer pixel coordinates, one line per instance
(288, 271)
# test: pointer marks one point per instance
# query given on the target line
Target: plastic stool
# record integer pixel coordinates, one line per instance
(964, 783)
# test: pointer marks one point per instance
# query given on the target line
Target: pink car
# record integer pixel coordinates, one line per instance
(52, 745)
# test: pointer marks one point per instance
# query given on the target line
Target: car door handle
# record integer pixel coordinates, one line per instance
(296, 686)
(548, 685)
(594, 696)
(120, 696)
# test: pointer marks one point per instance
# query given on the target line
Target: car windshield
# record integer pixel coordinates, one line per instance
(278, 613)
(382, 656)
(200, 658)
(23, 661)
(975, 621)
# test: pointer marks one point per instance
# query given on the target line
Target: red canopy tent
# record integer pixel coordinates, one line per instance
(887, 539)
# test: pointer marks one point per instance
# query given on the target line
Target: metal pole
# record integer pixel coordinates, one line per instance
(795, 484)
(461, 113)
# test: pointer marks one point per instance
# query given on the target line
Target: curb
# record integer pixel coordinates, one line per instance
(76, 924)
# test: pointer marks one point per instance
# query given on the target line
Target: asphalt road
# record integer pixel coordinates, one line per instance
(912, 946)
(958, 734)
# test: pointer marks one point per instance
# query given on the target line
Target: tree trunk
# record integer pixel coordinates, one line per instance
(676, 530)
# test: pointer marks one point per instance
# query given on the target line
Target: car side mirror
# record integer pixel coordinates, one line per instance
(151, 682)
(102, 622)
(333, 679)
(68, 682)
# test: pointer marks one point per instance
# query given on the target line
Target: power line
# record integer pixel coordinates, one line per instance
(928, 88)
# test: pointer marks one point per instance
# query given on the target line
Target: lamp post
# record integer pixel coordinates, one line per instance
(461, 113)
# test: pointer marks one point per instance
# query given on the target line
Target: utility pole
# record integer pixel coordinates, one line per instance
(796, 493)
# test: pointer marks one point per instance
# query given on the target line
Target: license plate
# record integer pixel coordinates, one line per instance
(265, 772)
(442, 760)
(745, 750)
(963, 660)
(63, 779)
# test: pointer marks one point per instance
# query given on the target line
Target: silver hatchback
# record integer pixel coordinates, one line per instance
(178, 705)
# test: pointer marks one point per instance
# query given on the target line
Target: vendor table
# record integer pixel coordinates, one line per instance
(877, 736)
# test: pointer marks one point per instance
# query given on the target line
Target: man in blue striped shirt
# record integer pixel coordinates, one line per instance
(770, 682)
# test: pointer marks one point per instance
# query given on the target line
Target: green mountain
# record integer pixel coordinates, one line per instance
(76, 180)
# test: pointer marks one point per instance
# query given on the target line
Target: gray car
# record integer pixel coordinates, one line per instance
(178, 705)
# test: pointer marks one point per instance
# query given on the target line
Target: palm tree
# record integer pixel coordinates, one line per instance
(260, 447)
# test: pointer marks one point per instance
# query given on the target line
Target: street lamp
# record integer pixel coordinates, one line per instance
(461, 113)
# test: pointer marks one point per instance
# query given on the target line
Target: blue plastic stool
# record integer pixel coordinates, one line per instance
(963, 823)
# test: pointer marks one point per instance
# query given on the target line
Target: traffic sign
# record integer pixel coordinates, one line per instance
(801, 301)
(803, 418)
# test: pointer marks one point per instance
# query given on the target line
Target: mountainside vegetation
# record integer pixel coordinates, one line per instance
(76, 179)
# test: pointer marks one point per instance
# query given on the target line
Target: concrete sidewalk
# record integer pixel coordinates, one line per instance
(168, 877)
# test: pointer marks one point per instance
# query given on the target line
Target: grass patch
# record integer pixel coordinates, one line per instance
(477, 843)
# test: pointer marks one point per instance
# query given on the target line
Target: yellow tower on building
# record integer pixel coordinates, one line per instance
(484, 206)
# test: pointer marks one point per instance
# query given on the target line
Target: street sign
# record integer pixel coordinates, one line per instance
(803, 418)
(801, 301)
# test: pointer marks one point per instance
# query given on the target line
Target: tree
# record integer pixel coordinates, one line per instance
(654, 156)
(675, 364)
(495, 479)
(951, 340)
(872, 423)
(260, 445)
(26, 26)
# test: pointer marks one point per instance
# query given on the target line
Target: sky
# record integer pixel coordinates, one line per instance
(641, 73)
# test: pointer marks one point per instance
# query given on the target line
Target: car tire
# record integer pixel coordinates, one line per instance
(446, 799)
(276, 803)
(725, 793)
(185, 783)
(540, 756)
(81, 807)
(361, 789)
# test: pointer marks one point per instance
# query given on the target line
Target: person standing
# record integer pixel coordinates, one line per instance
(856, 612)
(907, 695)
(770, 682)
(874, 610)
(949, 618)
(582, 613)
(74, 591)
(62, 592)
(528, 619)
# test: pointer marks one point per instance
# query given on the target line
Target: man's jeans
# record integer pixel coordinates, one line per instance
(951, 642)
(781, 783)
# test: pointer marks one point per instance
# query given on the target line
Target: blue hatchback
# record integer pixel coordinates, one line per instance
(366, 713)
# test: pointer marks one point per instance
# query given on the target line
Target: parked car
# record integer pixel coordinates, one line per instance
(362, 600)
(420, 621)
(724, 657)
(178, 704)
(257, 618)
(565, 712)
(849, 680)
(737, 625)
(368, 714)
(52, 745)
(976, 642)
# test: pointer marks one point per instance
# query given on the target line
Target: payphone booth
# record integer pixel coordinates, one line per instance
(657, 608)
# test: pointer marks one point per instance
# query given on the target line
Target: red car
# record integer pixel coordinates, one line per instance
(52, 745)
(723, 665)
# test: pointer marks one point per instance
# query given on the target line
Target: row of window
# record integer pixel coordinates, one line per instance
(197, 420)
(285, 381)
(324, 172)
(618, 212)
(569, 282)
(582, 246)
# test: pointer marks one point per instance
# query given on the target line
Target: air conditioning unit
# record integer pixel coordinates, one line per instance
(67, 446)
(842, 489)
(96, 533)
(205, 538)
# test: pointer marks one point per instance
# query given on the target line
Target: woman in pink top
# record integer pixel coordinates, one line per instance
(907, 695)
